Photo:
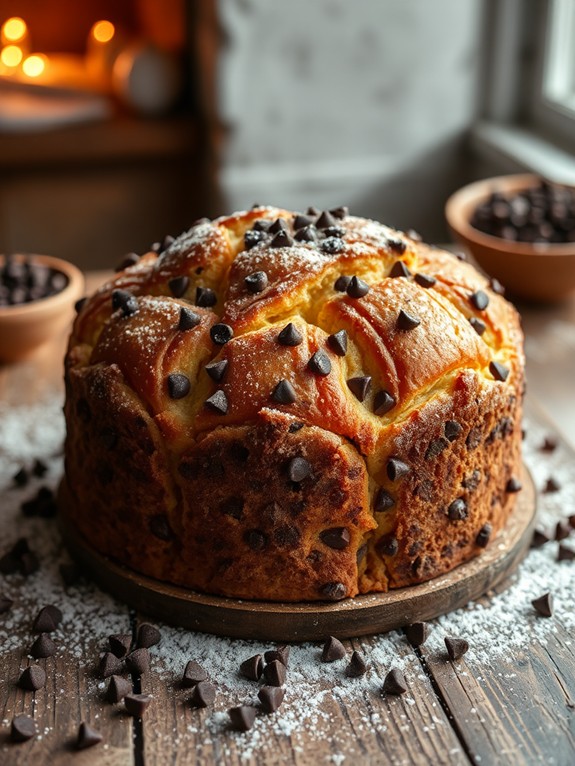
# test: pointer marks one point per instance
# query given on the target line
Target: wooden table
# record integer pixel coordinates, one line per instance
(520, 710)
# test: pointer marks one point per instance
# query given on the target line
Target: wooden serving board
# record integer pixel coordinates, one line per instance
(272, 621)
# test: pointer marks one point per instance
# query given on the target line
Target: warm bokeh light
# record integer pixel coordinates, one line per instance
(11, 56)
(103, 31)
(34, 65)
(14, 29)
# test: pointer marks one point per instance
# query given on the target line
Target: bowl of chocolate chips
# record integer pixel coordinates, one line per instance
(37, 297)
(521, 231)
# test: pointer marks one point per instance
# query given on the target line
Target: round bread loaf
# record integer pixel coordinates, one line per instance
(294, 407)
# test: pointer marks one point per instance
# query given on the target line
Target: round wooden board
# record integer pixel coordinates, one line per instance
(270, 621)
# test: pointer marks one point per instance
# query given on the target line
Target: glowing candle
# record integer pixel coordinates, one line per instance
(34, 65)
(14, 30)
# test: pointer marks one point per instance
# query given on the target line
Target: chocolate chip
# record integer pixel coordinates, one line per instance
(496, 286)
(87, 737)
(271, 698)
(216, 370)
(109, 665)
(125, 302)
(256, 540)
(277, 226)
(290, 336)
(338, 342)
(253, 237)
(356, 666)
(342, 283)
(549, 444)
(280, 653)
(43, 647)
(298, 469)
(306, 235)
(383, 402)
(178, 286)
(325, 220)
(178, 385)
(301, 221)
(218, 402)
(513, 485)
(242, 717)
(117, 689)
(483, 535)
(360, 386)
(275, 673)
(333, 650)
(137, 704)
(340, 212)
(253, 667)
(457, 511)
(357, 288)
(312, 211)
(383, 501)
(407, 321)
(203, 695)
(160, 527)
(387, 545)
(397, 245)
(22, 728)
(28, 564)
(333, 591)
(193, 674)
(399, 269)
(478, 325)
(539, 539)
(148, 635)
(544, 605)
(498, 371)
(333, 245)
(394, 682)
(336, 537)
(221, 333)
(452, 429)
(396, 469)
(138, 662)
(47, 619)
(21, 477)
(39, 468)
(562, 530)
(436, 447)
(551, 485)
(284, 393)
(129, 260)
(205, 297)
(334, 231)
(5, 604)
(80, 303)
(479, 300)
(425, 280)
(565, 554)
(456, 647)
(32, 678)
(262, 224)
(417, 633)
(256, 282)
(188, 319)
(320, 363)
(281, 239)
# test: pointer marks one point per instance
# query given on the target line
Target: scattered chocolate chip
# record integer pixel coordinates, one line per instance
(312, 211)
(356, 666)
(138, 662)
(262, 224)
(436, 447)
(334, 231)
(109, 665)
(28, 564)
(42, 504)
(551, 485)
(129, 260)
(452, 429)
(333, 650)
(216, 370)
(396, 468)
(478, 325)
(188, 319)
(275, 673)
(205, 297)
(336, 537)
(539, 538)
(43, 647)
(148, 635)
(360, 555)
(221, 333)
(399, 269)
(457, 511)
(193, 674)
(479, 300)
(5, 604)
(253, 667)
(301, 221)
(360, 386)
(320, 363)
(325, 220)
(32, 678)
(306, 235)
(417, 633)
(281, 239)
(178, 385)
(203, 694)
(256, 539)
(456, 647)
(483, 535)
(407, 321)
(549, 444)
(340, 212)
(277, 226)
(160, 527)
(394, 682)
(280, 653)
(22, 728)
(242, 717)
(218, 402)
(425, 280)
(562, 530)
(178, 286)
(256, 282)
(333, 245)
(137, 704)
(284, 393)
(117, 689)
(333, 591)
(498, 371)
(298, 469)
(397, 245)
(496, 286)
(382, 501)
(565, 554)
(80, 303)
(544, 605)
(125, 302)
(39, 468)
(357, 288)
(254, 237)
(87, 737)
(387, 545)
(513, 485)
(383, 402)
(21, 477)
(338, 342)
(271, 698)
(47, 619)
(342, 283)
(290, 336)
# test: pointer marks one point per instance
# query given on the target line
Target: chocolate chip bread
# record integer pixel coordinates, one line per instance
(293, 407)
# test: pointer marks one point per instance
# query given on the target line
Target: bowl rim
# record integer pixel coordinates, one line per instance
(478, 191)
(75, 285)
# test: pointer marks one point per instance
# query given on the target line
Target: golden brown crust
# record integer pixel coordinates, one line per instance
(190, 481)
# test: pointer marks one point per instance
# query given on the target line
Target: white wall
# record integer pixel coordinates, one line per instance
(363, 102)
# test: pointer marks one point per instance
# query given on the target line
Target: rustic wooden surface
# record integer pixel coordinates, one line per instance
(520, 712)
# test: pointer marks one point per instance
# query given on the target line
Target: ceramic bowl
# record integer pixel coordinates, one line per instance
(26, 326)
(540, 271)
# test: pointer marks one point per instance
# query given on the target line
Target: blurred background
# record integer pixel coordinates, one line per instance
(122, 122)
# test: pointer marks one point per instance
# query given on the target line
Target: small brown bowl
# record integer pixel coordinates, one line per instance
(539, 271)
(26, 326)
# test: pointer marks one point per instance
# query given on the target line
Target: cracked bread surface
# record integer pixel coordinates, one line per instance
(297, 435)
